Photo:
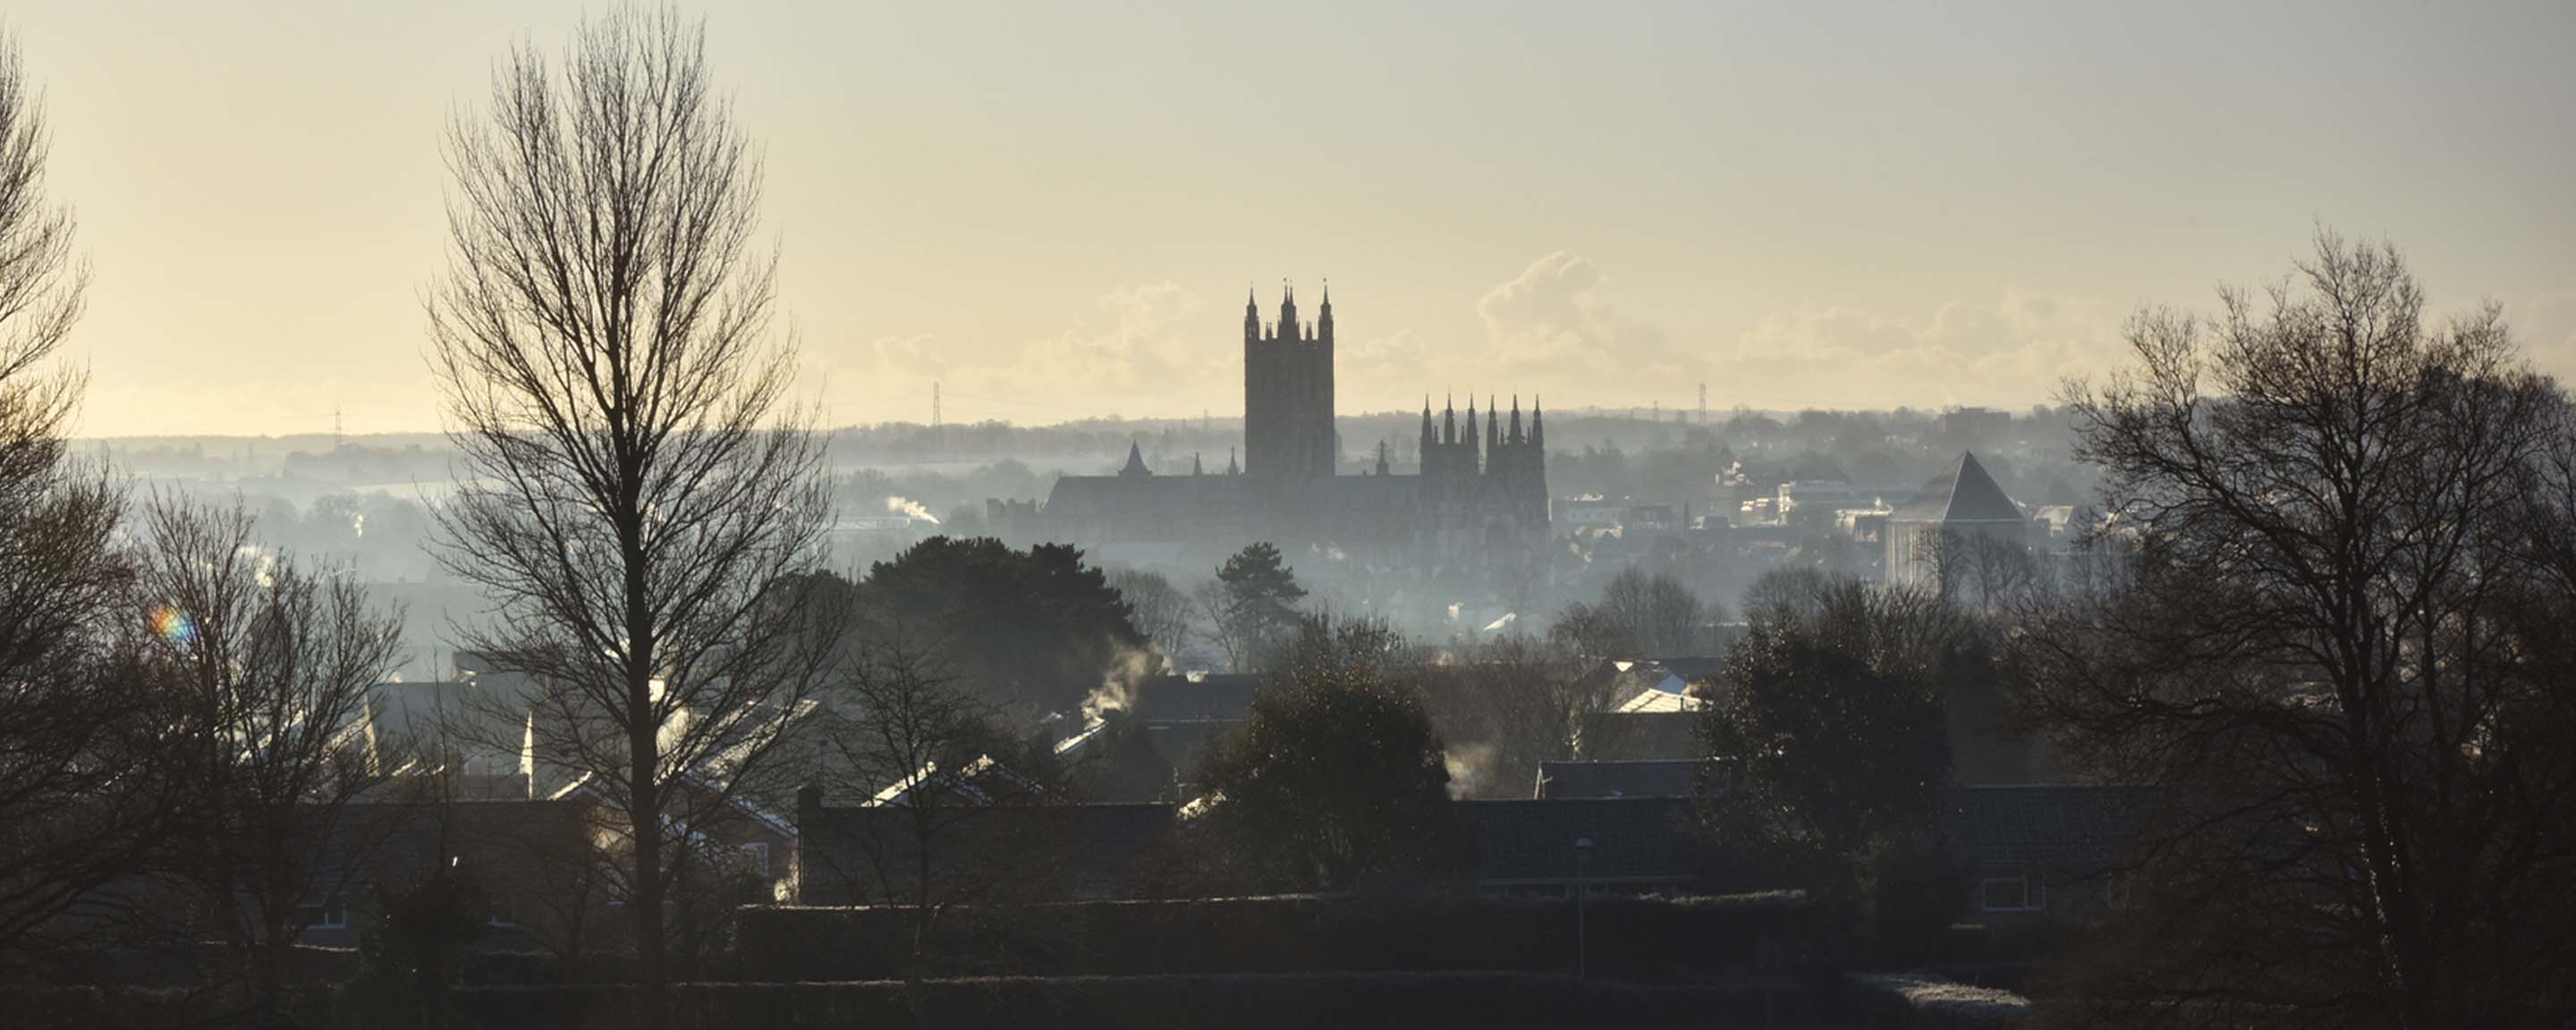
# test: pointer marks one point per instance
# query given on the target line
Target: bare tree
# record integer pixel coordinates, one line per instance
(268, 665)
(41, 283)
(909, 738)
(1980, 571)
(79, 811)
(638, 478)
(2324, 648)
(1160, 611)
(1641, 614)
(1506, 705)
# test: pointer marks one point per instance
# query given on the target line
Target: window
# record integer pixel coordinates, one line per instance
(755, 855)
(2008, 889)
(329, 915)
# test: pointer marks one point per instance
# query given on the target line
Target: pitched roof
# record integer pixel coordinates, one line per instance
(2064, 826)
(1562, 781)
(1961, 493)
(1211, 697)
(1633, 839)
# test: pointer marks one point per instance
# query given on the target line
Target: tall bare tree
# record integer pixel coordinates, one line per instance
(268, 666)
(638, 479)
(2324, 648)
(78, 812)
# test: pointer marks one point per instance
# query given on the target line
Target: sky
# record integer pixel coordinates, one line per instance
(1054, 210)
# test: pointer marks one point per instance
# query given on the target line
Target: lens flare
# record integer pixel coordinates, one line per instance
(174, 625)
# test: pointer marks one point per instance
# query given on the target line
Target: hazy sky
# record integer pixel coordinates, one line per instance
(1055, 210)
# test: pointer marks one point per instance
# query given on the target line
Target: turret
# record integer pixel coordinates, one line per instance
(1288, 312)
(1493, 425)
(1538, 428)
(1251, 317)
(1324, 323)
(1470, 439)
(1449, 420)
(1381, 457)
(1515, 436)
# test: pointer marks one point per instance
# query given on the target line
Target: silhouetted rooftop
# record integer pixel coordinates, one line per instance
(1961, 493)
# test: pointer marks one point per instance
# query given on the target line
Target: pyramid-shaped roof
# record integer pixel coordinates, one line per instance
(1962, 493)
(1135, 462)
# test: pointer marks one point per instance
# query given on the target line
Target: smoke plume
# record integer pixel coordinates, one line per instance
(908, 506)
(1117, 690)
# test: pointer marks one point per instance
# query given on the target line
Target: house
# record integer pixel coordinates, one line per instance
(1638, 736)
(536, 864)
(870, 853)
(1608, 846)
(2048, 852)
(1563, 781)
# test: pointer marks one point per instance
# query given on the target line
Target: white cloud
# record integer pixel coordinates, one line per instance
(2016, 349)
(1555, 319)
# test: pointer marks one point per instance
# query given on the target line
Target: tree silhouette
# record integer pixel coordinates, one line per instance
(1252, 602)
(2335, 644)
(1337, 779)
(635, 477)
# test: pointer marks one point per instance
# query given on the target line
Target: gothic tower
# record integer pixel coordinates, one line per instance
(1288, 433)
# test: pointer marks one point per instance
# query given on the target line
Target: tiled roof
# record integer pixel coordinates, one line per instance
(1215, 697)
(1634, 736)
(1961, 493)
(2064, 826)
(1637, 839)
(1048, 852)
(1558, 781)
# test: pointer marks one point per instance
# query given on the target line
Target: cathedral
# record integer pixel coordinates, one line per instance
(1476, 498)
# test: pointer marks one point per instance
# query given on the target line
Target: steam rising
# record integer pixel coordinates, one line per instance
(1469, 766)
(908, 506)
(1117, 690)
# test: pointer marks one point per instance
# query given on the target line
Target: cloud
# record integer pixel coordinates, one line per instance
(1556, 316)
(1401, 361)
(2016, 349)
(2545, 325)
(1141, 348)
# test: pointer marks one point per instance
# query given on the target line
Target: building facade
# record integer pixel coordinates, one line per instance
(1480, 493)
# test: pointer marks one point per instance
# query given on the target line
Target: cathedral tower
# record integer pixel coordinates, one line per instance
(1288, 434)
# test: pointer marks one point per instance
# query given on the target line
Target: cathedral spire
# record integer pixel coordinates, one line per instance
(1251, 315)
(1515, 436)
(1231, 468)
(1287, 310)
(1135, 462)
(1449, 419)
(1469, 437)
(1324, 323)
(1194, 464)
(1538, 428)
(1493, 425)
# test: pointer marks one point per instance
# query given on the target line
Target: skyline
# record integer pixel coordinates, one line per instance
(1050, 211)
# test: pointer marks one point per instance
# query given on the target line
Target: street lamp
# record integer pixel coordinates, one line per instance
(1582, 963)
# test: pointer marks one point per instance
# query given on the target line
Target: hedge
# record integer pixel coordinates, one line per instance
(1488, 1001)
(1648, 940)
